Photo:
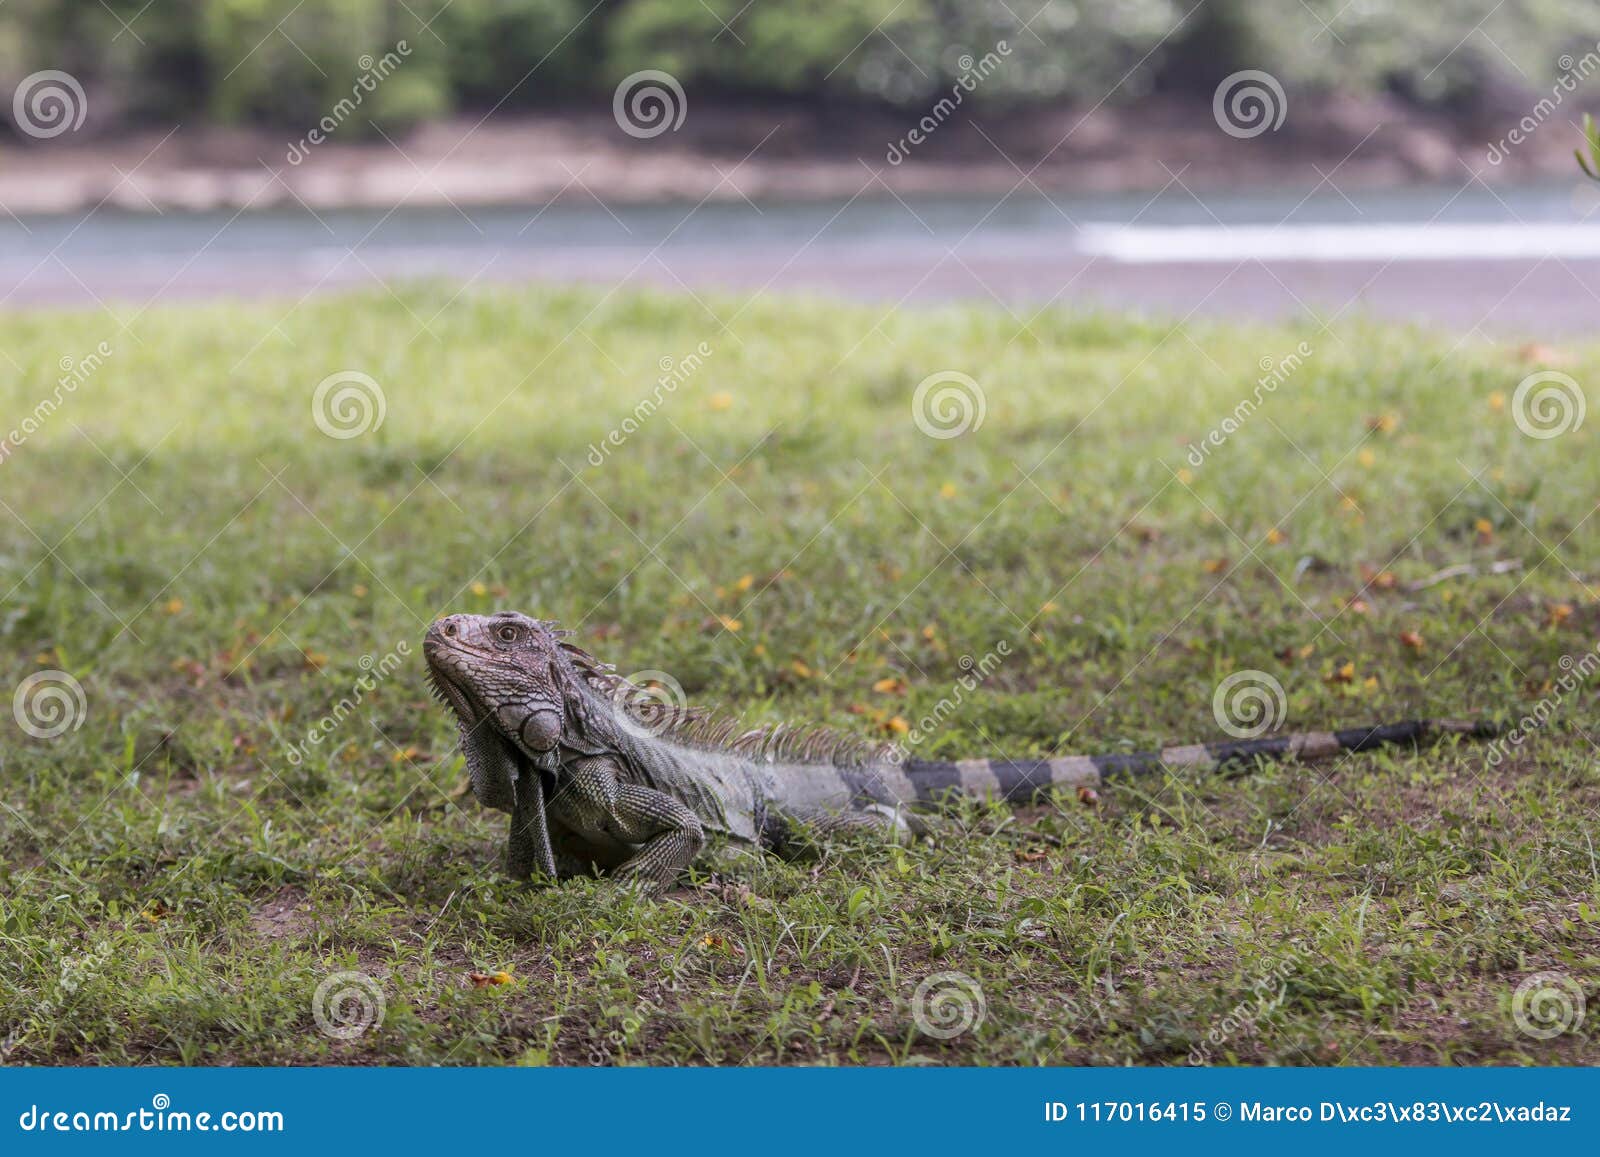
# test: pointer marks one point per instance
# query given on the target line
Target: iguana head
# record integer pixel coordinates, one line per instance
(500, 672)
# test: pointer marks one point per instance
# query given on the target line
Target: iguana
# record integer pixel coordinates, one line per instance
(597, 773)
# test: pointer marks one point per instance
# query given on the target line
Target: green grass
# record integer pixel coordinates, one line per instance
(782, 539)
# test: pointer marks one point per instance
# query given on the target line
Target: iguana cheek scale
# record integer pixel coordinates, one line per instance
(596, 773)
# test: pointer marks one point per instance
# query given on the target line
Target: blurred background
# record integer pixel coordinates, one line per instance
(1274, 158)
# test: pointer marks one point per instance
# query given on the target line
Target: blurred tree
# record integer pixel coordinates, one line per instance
(514, 53)
(290, 64)
(287, 62)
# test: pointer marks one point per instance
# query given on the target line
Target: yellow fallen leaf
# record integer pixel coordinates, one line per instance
(898, 725)
(745, 582)
(1275, 536)
(889, 686)
(720, 401)
(948, 490)
(800, 669)
(479, 589)
(1497, 401)
(173, 606)
(1185, 475)
(1366, 458)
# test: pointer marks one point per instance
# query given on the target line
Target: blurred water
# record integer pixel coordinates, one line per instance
(1524, 261)
(1018, 219)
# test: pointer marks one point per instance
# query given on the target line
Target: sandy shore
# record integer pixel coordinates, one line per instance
(769, 152)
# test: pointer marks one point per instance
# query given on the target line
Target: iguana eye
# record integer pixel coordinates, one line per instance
(507, 634)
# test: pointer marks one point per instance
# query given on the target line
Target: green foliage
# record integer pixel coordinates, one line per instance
(286, 63)
(295, 67)
(1591, 137)
(511, 53)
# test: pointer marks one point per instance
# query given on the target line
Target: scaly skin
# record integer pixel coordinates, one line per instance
(595, 776)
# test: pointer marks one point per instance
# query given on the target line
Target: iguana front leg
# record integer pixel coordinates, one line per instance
(598, 804)
(528, 848)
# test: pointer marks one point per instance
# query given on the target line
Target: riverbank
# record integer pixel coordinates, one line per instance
(778, 152)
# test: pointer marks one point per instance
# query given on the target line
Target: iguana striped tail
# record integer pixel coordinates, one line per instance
(1024, 781)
